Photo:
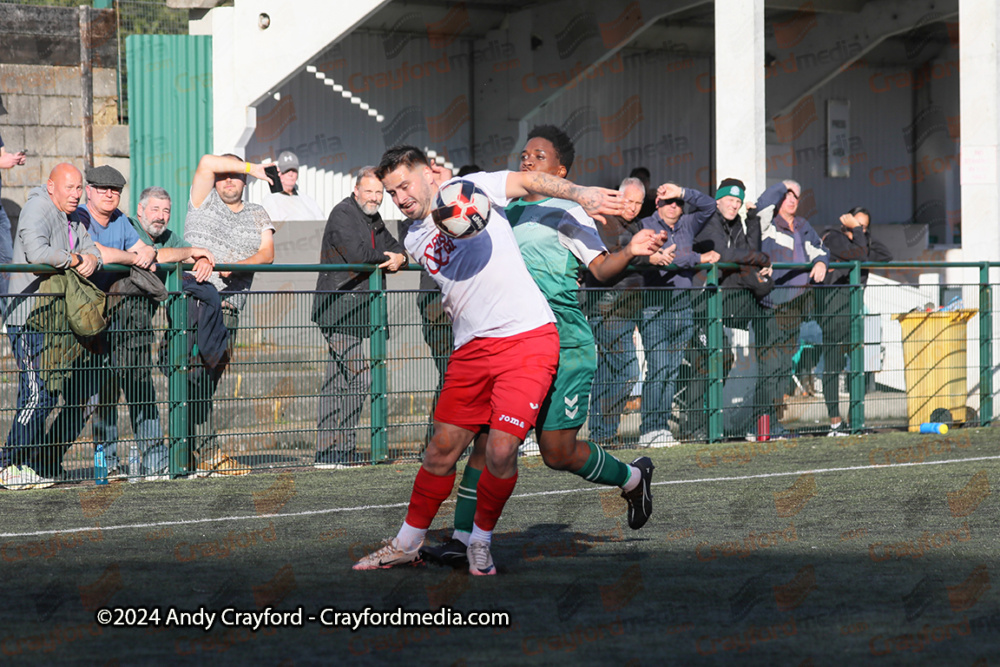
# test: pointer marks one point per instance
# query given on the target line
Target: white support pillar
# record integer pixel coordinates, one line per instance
(979, 92)
(979, 86)
(740, 150)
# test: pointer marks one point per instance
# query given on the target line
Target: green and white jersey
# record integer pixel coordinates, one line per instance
(556, 238)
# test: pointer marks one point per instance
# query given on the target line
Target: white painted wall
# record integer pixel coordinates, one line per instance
(248, 62)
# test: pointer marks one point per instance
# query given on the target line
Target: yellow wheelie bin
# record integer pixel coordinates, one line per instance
(934, 358)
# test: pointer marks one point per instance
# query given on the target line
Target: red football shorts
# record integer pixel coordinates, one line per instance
(499, 382)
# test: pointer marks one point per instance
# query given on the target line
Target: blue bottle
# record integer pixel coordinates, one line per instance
(934, 427)
(100, 466)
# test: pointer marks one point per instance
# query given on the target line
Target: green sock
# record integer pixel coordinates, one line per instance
(602, 468)
(465, 504)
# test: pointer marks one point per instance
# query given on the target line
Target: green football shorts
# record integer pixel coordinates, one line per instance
(568, 399)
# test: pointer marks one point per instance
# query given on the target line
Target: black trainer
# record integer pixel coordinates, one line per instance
(335, 458)
(640, 499)
(452, 553)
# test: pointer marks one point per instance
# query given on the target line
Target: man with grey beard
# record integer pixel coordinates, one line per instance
(133, 343)
(354, 234)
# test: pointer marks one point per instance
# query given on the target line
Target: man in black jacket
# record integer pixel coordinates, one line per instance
(613, 309)
(738, 242)
(851, 242)
(354, 234)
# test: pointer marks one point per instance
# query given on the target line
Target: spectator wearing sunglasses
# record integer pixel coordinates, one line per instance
(667, 318)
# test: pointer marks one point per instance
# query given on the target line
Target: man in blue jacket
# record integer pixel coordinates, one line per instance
(789, 238)
(667, 318)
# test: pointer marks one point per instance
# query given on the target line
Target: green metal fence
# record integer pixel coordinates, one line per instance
(729, 361)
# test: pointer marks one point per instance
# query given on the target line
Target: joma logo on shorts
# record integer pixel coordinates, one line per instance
(512, 420)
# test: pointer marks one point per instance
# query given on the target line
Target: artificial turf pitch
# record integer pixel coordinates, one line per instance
(879, 549)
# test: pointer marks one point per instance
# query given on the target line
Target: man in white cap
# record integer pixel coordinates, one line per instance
(290, 204)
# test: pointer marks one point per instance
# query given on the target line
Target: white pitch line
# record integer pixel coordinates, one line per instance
(533, 494)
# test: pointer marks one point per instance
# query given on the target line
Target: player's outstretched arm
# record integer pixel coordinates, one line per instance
(597, 202)
(645, 243)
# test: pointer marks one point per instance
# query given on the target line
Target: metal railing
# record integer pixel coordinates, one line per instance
(264, 408)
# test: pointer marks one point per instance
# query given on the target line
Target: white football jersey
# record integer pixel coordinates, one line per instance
(486, 290)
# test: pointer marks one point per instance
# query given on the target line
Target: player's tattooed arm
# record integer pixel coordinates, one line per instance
(597, 202)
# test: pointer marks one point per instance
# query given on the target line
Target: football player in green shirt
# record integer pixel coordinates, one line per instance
(556, 238)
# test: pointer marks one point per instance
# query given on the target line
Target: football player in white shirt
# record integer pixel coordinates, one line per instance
(506, 345)
(556, 239)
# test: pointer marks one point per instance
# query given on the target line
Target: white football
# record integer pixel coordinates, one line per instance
(461, 210)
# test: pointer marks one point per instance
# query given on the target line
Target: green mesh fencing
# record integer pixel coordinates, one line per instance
(335, 379)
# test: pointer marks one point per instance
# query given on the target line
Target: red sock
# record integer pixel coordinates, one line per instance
(429, 491)
(491, 495)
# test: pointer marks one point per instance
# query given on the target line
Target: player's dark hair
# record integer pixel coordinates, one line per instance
(565, 152)
(400, 156)
(642, 174)
(861, 209)
(467, 169)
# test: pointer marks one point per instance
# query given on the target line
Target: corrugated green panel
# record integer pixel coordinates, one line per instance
(170, 113)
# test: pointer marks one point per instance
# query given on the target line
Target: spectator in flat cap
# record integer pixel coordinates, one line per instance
(118, 243)
(290, 204)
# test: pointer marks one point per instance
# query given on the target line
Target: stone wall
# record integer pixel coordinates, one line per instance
(44, 117)
(41, 86)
